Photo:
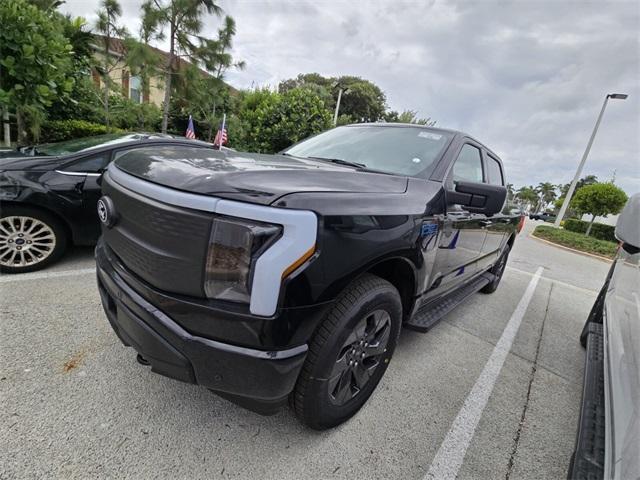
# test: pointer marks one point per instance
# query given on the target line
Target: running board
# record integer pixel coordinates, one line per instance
(588, 459)
(432, 312)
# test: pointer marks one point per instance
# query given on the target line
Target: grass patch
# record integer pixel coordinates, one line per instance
(577, 241)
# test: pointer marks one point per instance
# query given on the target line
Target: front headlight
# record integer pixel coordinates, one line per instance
(234, 247)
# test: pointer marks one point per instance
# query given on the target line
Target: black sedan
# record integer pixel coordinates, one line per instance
(49, 192)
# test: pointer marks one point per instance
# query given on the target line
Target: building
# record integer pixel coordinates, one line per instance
(120, 74)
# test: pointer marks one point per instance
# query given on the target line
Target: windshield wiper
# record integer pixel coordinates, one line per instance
(340, 161)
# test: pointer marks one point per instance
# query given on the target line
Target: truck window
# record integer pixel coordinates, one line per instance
(468, 166)
(494, 171)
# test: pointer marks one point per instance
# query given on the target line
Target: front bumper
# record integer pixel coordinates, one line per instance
(256, 379)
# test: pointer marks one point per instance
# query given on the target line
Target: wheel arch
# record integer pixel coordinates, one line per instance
(397, 270)
(401, 274)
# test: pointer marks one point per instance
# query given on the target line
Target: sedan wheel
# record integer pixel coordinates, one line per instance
(29, 240)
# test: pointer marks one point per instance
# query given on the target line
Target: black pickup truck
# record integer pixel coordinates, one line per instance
(274, 277)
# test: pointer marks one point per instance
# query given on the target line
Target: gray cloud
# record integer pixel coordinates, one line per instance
(525, 77)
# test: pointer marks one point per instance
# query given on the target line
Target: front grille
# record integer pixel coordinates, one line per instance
(164, 245)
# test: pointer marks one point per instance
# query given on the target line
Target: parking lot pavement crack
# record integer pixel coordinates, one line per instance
(532, 375)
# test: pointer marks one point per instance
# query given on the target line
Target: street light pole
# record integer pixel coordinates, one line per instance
(572, 187)
(335, 115)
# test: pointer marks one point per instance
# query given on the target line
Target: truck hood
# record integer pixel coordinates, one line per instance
(250, 177)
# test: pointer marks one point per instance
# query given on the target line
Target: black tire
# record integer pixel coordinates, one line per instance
(318, 399)
(498, 271)
(44, 247)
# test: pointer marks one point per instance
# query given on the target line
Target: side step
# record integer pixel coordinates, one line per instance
(588, 459)
(430, 313)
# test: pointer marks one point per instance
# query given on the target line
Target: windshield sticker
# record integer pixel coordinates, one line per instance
(430, 135)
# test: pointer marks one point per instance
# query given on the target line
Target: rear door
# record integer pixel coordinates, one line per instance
(463, 232)
(496, 226)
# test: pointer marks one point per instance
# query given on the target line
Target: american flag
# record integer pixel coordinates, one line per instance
(191, 133)
(221, 136)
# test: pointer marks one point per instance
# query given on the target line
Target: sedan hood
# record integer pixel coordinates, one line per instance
(19, 161)
(250, 177)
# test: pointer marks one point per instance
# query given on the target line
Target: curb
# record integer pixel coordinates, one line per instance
(579, 252)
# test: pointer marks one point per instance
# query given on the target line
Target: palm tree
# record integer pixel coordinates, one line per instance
(510, 192)
(183, 20)
(527, 195)
(107, 25)
(546, 193)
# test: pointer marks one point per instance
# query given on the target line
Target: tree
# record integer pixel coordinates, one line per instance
(107, 26)
(584, 181)
(83, 101)
(269, 121)
(207, 93)
(527, 195)
(362, 100)
(598, 199)
(546, 193)
(35, 63)
(183, 19)
(510, 192)
(408, 116)
(143, 60)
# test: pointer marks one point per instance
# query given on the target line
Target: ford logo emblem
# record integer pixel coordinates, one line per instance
(106, 212)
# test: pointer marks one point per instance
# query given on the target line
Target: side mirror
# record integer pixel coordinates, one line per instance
(478, 197)
(628, 225)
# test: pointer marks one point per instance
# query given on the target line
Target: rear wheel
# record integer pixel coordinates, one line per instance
(349, 353)
(497, 271)
(29, 239)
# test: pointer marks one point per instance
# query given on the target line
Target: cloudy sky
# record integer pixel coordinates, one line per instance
(525, 77)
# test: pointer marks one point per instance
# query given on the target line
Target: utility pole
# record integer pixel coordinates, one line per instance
(335, 115)
(572, 187)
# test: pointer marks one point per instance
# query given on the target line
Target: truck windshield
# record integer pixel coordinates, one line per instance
(411, 151)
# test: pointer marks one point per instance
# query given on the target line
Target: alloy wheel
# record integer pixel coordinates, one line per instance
(25, 241)
(359, 356)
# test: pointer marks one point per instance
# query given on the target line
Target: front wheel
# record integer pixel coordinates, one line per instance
(29, 239)
(349, 353)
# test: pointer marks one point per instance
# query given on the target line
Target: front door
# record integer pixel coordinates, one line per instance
(87, 223)
(463, 232)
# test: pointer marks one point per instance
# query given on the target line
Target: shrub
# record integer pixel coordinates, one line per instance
(58, 130)
(577, 241)
(129, 115)
(273, 121)
(598, 230)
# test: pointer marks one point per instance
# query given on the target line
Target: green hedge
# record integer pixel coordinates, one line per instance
(577, 241)
(58, 130)
(598, 230)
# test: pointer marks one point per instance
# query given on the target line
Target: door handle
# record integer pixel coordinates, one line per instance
(486, 223)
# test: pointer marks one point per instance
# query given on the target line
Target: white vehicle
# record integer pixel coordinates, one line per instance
(608, 441)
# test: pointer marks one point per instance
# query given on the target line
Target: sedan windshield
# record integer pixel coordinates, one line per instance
(84, 143)
(411, 151)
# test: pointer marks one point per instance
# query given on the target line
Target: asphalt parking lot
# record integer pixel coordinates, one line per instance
(76, 404)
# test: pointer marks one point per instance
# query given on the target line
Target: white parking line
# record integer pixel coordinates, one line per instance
(451, 453)
(549, 279)
(36, 276)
